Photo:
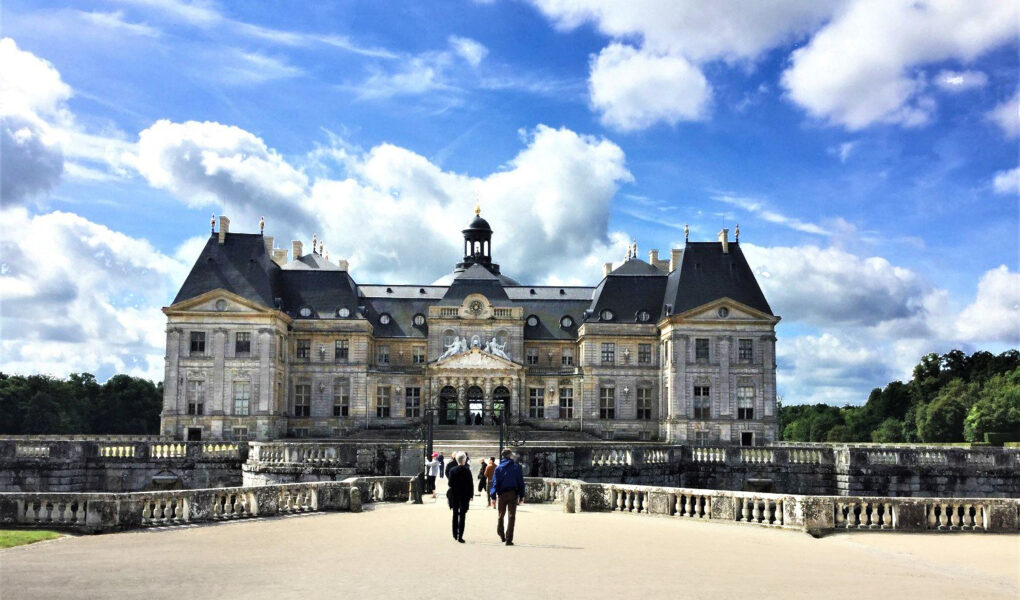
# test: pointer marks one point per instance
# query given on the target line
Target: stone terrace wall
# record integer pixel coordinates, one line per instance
(289, 462)
(117, 465)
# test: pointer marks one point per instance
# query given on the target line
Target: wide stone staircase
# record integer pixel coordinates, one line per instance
(479, 441)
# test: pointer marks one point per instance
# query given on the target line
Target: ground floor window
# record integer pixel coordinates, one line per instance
(566, 403)
(644, 403)
(746, 438)
(341, 397)
(536, 403)
(745, 402)
(607, 402)
(242, 394)
(702, 402)
(382, 401)
(412, 397)
(196, 397)
(240, 434)
(302, 400)
(701, 438)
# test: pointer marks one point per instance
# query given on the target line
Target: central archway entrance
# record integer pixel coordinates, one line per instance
(500, 404)
(475, 405)
(448, 406)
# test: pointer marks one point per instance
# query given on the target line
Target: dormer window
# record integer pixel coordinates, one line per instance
(606, 315)
(305, 312)
(532, 321)
(384, 319)
(643, 316)
(343, 312)
(419, 320)
(566, 322)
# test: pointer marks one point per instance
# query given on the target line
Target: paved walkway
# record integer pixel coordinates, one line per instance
(406, 551)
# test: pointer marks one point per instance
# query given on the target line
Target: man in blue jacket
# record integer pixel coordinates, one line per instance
(508, 491)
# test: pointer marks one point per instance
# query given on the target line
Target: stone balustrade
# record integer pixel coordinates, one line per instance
(131, 449)
(813, 514)
(100, 513)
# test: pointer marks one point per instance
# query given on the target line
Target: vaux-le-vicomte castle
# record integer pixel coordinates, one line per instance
(262, 345)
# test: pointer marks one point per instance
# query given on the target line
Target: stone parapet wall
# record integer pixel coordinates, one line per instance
(816, 515)
(285, 462)
(102, 513)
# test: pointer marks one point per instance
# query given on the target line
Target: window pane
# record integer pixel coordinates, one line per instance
(701, 349)
(242, 392)
(340, 350)
(644, 355)
(242, 343)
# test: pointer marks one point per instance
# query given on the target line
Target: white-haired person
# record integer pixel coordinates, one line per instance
(460, 493)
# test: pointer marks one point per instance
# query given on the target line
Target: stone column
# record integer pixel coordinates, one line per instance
(461, 402)
(261, 405)
(725, 397)
(171, 376)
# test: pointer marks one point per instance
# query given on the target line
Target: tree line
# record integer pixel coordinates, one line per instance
(951, 397)
(39, 404)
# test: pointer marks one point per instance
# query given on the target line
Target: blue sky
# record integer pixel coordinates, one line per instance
(867, 149)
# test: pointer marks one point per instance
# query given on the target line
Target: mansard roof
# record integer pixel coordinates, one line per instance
(633, 287)
(707, 274)
(239, 265)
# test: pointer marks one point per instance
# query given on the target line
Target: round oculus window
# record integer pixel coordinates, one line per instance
(643, 316)
(566, 322)
(384, 319)
(476, 307)
(221, 305)
(343, 313)
(606, 315)
(532, 321)
(305, 311)
(419, 320)
(723, 312)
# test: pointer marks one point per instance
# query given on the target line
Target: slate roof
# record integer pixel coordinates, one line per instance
(707, 274)
(243, 266)
(240, 265)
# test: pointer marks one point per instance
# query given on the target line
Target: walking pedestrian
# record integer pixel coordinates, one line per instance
(490, 469)
(432, 469)
(442, 465)
(481, 478)
(508, 491)
(459, 494)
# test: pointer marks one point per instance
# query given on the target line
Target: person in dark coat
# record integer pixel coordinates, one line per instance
(508, 491)
(482, 489)
(460, 494)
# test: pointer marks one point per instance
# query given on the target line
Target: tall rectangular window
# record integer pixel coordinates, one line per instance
(745, 402)
(418, 357)
(536, 403)
(567, 358)
(745, 350)
(196, 397)
(644, 403)
(240, 434)
(382, 402)
(242, 343)
(566, 403)
(702, 402)
(701, 438)
(197, 343)
(341, 397)
(303, 349)
(412, 401)
(607, 402)
(701, 349)
(242, 394)
(302, 400)
(608, 353)
(531, 356)
(341, 350)
(644, 354)
(382, 355)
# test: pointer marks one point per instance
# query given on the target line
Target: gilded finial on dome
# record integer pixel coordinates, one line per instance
(478, 208)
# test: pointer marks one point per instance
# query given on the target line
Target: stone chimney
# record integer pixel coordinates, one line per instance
(653, 257)
(676, 256)
(297, 249)
(280, 256)
(269, 245)
(724, 239)
(224, 228)
(343, 264)
(607, 269)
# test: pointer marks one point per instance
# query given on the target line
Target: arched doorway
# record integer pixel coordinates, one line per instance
(475, 405)
(448, 406)
(500, 403)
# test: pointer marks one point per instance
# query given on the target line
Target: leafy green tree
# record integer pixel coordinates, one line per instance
(941, 420)
(997, 408)
(888, 432)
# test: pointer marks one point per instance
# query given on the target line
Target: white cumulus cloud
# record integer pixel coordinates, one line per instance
(1007, 116)
(958, 81)
(1007, 182)
(994, 315)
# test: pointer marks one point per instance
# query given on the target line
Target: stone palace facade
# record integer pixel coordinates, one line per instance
(262, 347)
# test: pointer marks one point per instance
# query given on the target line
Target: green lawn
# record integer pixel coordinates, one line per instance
(17, 537)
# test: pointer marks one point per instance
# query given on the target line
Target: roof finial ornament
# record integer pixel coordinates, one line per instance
(687, 233)
(320, 246)
(262, 225)
(314, 243)
(736, 231)
(327, 255)
(478, 207)
(212, 223)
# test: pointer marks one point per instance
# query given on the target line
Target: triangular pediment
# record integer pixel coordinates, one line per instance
(734, 311)
(474, 360)
(218, 301)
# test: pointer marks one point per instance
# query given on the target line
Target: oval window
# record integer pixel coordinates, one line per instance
(566, 322)
(606, 315)
(305, 311)
(384, 319)
(643, 316)
(343, 313)
(419, 320)
(532, 321)
(724, 312)
(221, 304)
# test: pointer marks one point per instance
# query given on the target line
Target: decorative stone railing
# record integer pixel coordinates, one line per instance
(813, 514)
(100, 513)
(120, 449)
